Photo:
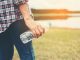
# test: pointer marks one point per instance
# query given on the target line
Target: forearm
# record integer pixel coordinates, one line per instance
(24, 9)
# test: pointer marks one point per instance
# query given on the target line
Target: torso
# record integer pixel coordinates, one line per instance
(9, 13)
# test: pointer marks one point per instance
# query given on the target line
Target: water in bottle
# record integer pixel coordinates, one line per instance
(26, 37)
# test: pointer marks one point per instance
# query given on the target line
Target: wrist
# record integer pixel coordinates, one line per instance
(28, 21)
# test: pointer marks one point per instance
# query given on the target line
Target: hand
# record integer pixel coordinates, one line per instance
(36, 29)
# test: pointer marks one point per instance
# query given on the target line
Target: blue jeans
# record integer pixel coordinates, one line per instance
(10, 37)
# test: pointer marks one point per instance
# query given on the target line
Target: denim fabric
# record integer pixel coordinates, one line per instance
(10, 37)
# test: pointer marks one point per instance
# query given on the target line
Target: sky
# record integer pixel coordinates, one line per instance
(55, 4)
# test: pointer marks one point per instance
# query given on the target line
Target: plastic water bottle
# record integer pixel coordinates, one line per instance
(26, 37)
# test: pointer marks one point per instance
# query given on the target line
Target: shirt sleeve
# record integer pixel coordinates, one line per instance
(18, 2)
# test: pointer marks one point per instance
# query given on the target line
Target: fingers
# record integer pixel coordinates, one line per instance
(38, 31)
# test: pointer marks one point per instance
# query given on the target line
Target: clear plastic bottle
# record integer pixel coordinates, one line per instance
(26, 37)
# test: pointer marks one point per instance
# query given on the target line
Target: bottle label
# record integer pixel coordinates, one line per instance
(26, 37)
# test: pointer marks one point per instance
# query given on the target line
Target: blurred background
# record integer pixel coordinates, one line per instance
(61, 18)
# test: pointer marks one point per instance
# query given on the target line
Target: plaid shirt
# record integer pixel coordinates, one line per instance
(9, 12)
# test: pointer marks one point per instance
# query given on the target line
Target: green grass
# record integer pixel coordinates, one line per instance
(57, 44)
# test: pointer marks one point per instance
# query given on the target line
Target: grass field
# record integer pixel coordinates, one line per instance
(57, 44)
